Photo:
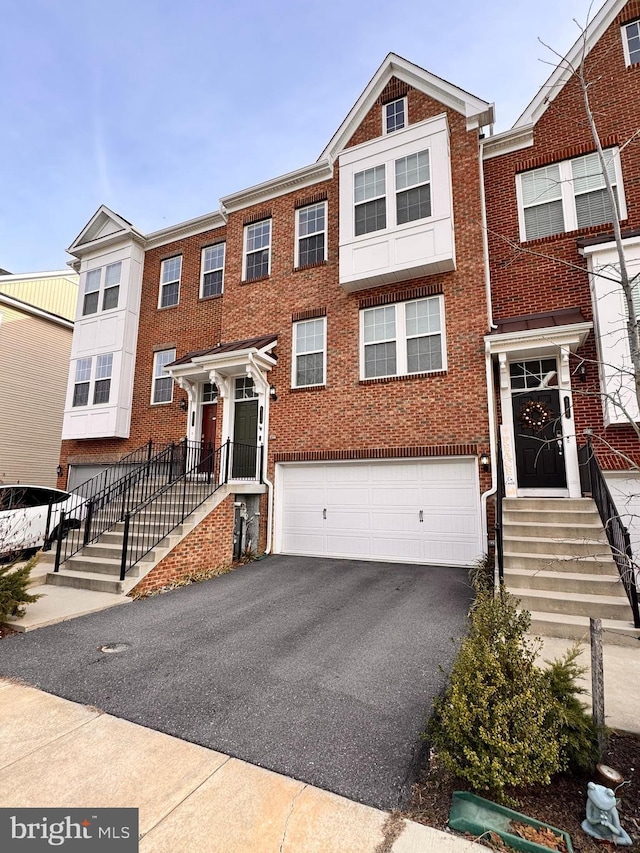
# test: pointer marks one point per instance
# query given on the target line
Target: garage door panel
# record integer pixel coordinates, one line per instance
(373, 510)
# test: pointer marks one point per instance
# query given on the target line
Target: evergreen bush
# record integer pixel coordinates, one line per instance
(14, 584)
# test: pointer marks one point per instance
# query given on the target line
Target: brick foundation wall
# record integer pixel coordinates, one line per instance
(207, 546)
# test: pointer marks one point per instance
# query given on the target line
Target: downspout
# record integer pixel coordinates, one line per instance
(487, 355)
(269, 484)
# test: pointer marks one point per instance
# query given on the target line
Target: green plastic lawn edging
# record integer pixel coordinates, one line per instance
(476, 815)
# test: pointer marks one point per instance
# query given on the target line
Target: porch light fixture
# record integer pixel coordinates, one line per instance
(484, 462)
(582, 372)
(59, 470)
(183, 404)
(272, 393)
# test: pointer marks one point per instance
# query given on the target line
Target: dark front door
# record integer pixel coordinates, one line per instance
(245, 439)
(537, 426)
(209, 417)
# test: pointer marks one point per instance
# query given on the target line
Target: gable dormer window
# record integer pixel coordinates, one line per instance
(394, 115)
(631, 42)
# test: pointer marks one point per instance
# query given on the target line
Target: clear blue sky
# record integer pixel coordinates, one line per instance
(157, 108)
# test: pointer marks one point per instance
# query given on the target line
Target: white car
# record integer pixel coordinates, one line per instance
(25, 522)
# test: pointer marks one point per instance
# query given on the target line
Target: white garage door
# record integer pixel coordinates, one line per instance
(425, 511)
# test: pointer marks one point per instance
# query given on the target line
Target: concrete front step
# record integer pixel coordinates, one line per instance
(564, 582)
(106, 551)
(570, 517)
(555, 529)
(559, 563)
(548, 504)
(576, 604)
(576, 546)
(99, 565)
(567, 626)
(86, 580)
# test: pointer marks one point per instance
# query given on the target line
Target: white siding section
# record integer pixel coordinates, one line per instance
(373, 510)
(114, 331)
(610, 317)
(398, 252)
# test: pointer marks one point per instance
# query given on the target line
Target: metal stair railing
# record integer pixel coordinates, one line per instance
(500, 493)
(124, 465)
(150, 522)
(102, 510)
(592, 480)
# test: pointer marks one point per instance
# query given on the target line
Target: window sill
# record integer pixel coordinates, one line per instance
(168, 307)
(256, 280)
(164, 403)
(299, 388)
(378, 380)
(310, 266)
(209, 298)
(587, 231)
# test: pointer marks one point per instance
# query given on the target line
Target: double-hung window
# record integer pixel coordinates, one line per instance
(568, 195)
(631, 42)
(170, 272)
(257, 250)
(309, 353)
(413, 187)
(82, 382)
(394, 115)
(105, 279)
(98, 376)
(162, 388)
(402, 339)
(311, 234)
(369, 192)
(212, 270)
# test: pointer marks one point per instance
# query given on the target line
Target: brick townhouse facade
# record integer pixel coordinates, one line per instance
(333, 318)
(549, 235)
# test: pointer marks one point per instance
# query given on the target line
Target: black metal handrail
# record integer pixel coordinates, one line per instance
(151, 521)
(500, 493)
(592, 480)
(102, 510)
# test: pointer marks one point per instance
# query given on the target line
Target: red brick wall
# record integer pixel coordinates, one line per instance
(442, 409)
(549, 273)
(208, 546)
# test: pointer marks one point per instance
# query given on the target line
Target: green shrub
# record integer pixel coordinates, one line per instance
(578, 733)
(13, 588)
(503, 721)
(496, 725)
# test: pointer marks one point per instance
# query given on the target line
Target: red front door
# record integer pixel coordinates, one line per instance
(209, 414)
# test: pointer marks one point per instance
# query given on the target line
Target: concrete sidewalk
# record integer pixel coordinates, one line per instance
(55, 753)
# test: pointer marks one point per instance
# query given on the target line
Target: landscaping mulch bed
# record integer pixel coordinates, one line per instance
(5, 631)
(561, 804)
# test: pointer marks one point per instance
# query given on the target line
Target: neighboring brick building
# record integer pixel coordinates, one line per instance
(560, 340)
(333, 316)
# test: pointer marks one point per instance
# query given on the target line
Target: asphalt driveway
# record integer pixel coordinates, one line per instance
(324, 670)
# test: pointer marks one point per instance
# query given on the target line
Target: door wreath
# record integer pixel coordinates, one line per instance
(535, 415)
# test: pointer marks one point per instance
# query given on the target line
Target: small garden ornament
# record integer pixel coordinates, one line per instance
(602, 819)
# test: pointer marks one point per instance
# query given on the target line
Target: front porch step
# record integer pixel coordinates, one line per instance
(559, 563)
(556, 529)
(570, 627)
(106, 551)
(575, 545)
(98, 565)
(564, 582)
(86, 580)
(576, 604)
(579, 518)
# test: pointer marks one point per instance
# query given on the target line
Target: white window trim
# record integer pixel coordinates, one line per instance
(568, 196)
(101, 289)
(154, 377)
(297, 232)
(625, 42)
(401, 340)
(92, 382)
(294, 354)
(244, 248)
(164, 283)
(390, 193)
(202, 270)
(386, 132)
